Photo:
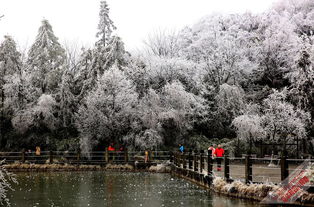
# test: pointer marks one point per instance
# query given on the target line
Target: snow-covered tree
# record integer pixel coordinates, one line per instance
(249, 128)
(10, 69)
(223, 47)
(281, 120)
(162, 70)
(229, 103)
(300, 13)
(10, 83)
(94, 62)
(40, 116)
(277, 50)
(301, 76)
(6, 178)
(163, 44)
(148, 139)
(67, 103)
(107, 114)
(84, 77)
(105, 25)
(46, 61)
(181, 111)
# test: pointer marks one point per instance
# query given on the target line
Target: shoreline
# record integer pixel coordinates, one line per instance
(249, 192)
(203, 181)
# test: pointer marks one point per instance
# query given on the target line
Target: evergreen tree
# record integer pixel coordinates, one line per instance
(10, 72)
(46, 61)
(105, 25)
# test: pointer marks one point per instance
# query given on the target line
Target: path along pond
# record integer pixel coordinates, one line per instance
(113, 189)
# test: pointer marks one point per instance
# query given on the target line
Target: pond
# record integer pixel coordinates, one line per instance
(112, 189)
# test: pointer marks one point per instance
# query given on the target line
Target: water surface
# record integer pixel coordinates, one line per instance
(112, 189)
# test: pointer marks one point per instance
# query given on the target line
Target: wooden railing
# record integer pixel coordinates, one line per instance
(248, 169)
(95, 157)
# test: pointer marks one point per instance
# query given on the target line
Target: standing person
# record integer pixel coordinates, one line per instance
(146, 156)
(213, 150)
(111, 148)
(219, 153)
(181, 148)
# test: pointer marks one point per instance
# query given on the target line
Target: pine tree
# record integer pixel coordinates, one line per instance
(94, 62)
(46, 60)
(105, 25)
(10, 71)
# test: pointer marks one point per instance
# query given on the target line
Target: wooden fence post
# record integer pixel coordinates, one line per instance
(126, 157)
(78, 157)
(50, 157)
(113, 156)
(171, 157)
(149, 156)
(194, 162)
(284, 167)
(201, 162)
(226, 166)
(106, 156)
(248, 169)
(209, 163)
(190, 159)
(23, 156)
(184, 160)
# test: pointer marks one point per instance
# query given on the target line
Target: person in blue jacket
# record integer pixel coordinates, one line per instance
(181, 148)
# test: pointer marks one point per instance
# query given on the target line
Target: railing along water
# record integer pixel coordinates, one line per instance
(92, 158)
(247, 168)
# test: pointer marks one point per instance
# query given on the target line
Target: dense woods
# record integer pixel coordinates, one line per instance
(238, 79)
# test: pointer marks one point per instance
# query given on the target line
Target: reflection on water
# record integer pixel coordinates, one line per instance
(112, 189)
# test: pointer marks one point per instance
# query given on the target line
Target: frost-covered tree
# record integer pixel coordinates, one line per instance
(301, 76)
(107, 114)
(94, 62)
(136, 70)
(223, 47)
(67, 103)
(148, 139)
(166, 116)
(36, 124)
(181, 111)
(162, 70)
(6, 178)
(146, 133)
(277, 50)
(10, 83)
(300, 13)
(281, 120)
(10, 67)
(105, 25)
(85, 77)
(46, 61)
(229, 103)
(249, 128)
(163, 44)
(37, 117)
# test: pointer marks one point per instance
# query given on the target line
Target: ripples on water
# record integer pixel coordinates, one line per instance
(95, 189)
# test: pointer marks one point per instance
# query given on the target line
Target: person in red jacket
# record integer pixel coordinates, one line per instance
(111, 148)
(219, 153)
